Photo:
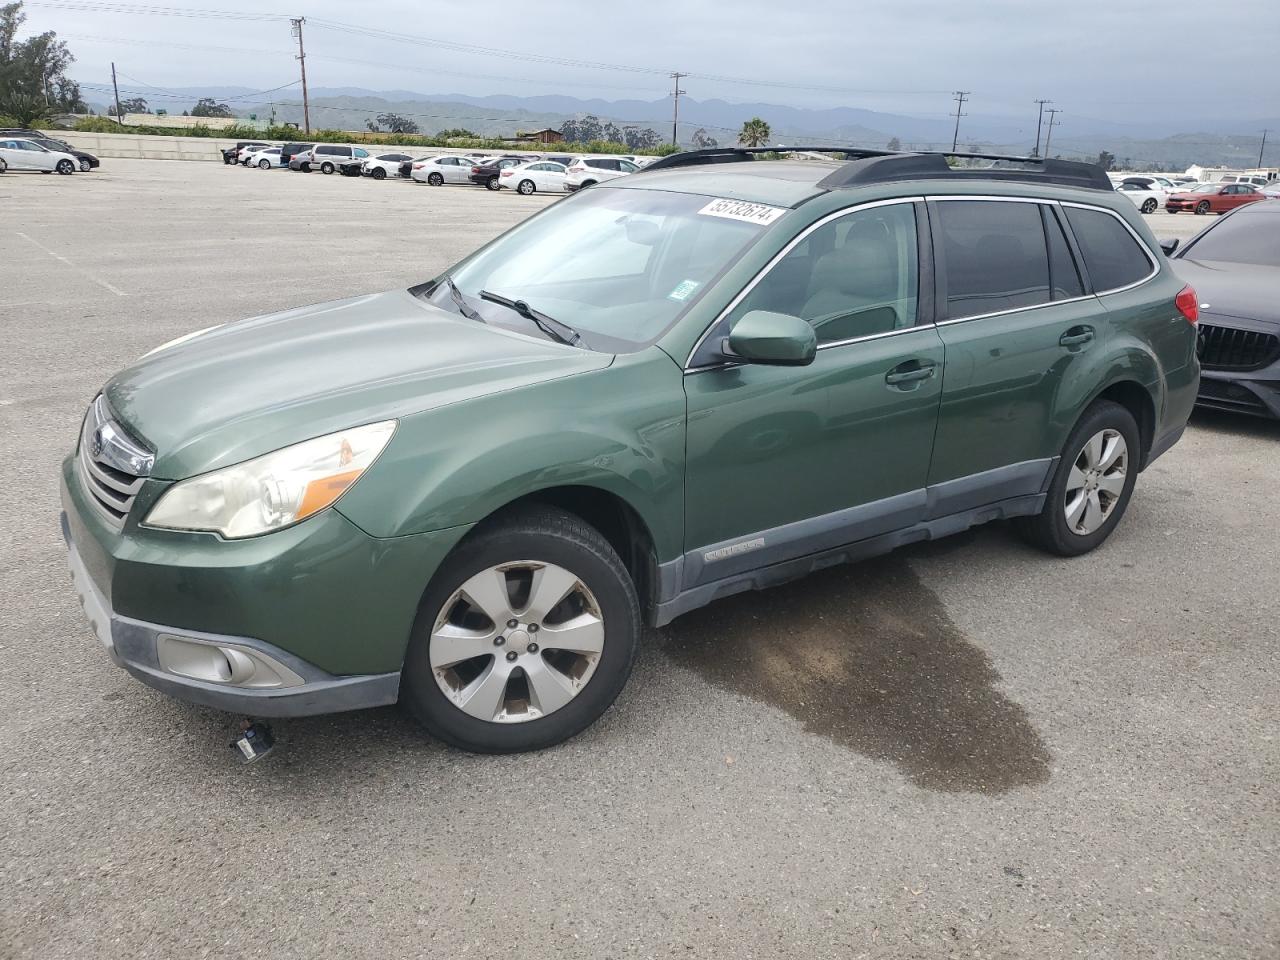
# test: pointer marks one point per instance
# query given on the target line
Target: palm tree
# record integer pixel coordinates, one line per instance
(755, 133)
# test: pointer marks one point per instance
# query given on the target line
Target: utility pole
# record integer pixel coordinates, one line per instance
(119, 119)
(1039, 121)
(302, 59)
(960, 97)
(1262, 148)
(675, 111)
(1053, 122)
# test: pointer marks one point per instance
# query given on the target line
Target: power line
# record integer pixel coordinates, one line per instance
(85, 6)
(960, 97)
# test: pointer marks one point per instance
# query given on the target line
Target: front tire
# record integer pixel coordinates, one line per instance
(66, 167)
(1202, 207)
(1092, 484)
(85, 166)
(526, 187)
(481, 684)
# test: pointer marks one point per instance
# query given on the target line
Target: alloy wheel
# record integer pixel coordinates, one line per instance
(1096, 481)
(516, 641)
(84, 166)
(526, 187)
(1202, 207)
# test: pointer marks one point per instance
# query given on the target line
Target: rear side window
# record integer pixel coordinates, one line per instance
(995, 255)
(1111, 255)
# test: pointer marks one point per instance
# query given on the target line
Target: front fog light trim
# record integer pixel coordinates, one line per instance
(226, 664)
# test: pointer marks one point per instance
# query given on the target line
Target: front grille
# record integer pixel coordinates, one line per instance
(113, 466)
(1227, 348)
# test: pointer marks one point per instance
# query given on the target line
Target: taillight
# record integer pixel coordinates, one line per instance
(506, 173)
(1188, 304)
(475, 169)
(418, 166)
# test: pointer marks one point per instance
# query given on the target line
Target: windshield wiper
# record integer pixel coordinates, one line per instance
(555, 329)
(458, 299)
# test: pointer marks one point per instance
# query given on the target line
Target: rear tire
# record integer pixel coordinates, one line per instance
(326, 168)
(1149, 205)
(264, 164)
(1086, 478)
(493, 183)
(548, 543)
(526, 187)
(378, 173)
(435, 179)
(587, 183)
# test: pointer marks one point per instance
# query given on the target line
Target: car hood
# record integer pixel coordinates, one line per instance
(1245, 290)
(247, 388)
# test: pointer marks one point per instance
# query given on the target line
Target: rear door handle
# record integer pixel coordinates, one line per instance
(1076, 336)
(910, 371)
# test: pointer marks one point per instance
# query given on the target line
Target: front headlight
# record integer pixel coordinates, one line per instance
(275, 490)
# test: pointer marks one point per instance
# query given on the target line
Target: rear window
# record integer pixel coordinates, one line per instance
(995, 256)
(1111, 254)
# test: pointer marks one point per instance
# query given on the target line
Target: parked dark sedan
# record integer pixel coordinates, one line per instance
(87, 161)
(488, 173)
(1234, 266)
(351, 168)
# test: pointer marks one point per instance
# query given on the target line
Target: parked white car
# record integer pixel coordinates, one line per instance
(20, 154)
(265, 159)
(1148, 199)
(383, 165)
(526, 178)
(248, 150)
(440, 170)
(586, 171)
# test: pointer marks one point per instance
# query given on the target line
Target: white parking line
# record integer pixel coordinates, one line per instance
(57, 256)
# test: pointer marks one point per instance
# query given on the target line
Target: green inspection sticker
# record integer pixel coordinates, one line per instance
(684, 290)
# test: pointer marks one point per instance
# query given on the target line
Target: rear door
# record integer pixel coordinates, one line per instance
(783, 462)
(1020, 336)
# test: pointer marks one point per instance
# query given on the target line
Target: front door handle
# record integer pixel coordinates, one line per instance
(910, 371)
(1076, 336)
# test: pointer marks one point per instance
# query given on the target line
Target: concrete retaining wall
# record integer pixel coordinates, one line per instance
(134, 147)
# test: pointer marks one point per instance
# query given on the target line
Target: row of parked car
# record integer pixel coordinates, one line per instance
(524, 172)
(1151, 193)
(22, 149)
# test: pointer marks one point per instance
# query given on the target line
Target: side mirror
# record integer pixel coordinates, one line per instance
(775, 339)
(1168, 246)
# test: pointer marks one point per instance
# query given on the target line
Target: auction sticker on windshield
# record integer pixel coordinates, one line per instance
(760, 213)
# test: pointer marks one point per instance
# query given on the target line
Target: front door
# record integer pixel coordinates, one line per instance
(1020, 335)
(783, 462)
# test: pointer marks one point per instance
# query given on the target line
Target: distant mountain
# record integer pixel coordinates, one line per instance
(1144, 142)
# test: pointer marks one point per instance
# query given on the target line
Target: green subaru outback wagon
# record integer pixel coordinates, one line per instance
(713, 376)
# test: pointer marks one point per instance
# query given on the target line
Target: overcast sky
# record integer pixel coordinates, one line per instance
(1094, 59)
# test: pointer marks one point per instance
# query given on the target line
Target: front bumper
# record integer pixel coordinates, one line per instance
(135, 645)
(329, 605)
(1256, 393)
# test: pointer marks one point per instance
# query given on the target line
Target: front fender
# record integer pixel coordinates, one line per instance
(620, 429)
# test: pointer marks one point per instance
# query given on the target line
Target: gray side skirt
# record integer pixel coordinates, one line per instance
(793, 550)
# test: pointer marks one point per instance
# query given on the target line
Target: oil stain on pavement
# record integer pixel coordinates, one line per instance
(867, 656)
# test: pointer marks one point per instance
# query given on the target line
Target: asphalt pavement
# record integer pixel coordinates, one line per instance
(967, 748)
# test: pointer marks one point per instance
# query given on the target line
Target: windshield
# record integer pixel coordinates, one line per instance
(1244, 237)
(618, 266)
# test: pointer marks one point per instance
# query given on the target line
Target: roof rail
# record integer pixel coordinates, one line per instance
(880, 166)
(690, 158)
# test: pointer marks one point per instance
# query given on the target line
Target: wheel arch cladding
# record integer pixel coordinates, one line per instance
(1137, 399)
(613, 518)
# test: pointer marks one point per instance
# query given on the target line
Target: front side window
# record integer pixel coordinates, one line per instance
(995, 256)
(852, 277)
(620, 266)
(1111, 254)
